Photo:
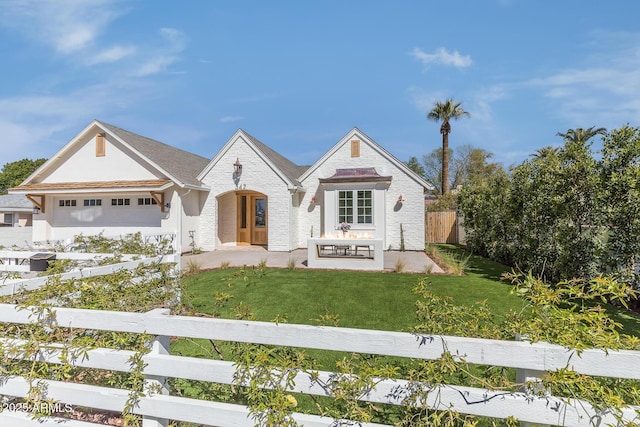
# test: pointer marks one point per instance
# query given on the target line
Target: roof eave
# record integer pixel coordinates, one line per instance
(79, 188)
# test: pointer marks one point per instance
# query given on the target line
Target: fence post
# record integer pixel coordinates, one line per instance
(154, 384)
(529, 380)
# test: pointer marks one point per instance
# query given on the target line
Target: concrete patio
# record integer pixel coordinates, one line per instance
(413, 261)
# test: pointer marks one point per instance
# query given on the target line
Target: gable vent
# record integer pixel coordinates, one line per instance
(355, 148)
(100, 145)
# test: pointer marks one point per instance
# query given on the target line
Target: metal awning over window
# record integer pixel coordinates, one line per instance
(355, 175)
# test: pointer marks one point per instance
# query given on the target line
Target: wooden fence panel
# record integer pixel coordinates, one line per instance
(441, 227)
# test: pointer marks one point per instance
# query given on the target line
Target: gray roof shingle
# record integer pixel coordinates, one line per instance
(181, 164)
(15, 201)
(290, 169)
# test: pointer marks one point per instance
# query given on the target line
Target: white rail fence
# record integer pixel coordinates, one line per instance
(19, 261)
(156, 409)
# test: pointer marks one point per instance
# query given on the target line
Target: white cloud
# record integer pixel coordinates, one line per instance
(74, 28)
(480, 103)
(69, 26)
(159, 59)
(176, 38)
(18, 140)
(601, 90)
(113, 54)
(423, 100)
(594, 97)
(442, 57)
(38, 125)
(155, 65)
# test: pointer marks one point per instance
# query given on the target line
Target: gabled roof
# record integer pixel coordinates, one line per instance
(284, 167)
(177, 163)
(179, 166)
(290, 169)
(15, 201)
(357, 133)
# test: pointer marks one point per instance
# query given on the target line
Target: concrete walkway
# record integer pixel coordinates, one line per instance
(412, 261)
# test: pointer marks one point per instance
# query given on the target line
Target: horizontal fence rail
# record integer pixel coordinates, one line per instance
(130, 262)
(467, 400)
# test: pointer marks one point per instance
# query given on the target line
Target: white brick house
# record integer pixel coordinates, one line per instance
(358, 171)
(111, 181)
(248, 194)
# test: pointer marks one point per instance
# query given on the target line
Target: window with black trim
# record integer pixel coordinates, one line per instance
(120, 202)
(66, 203)
(93, 202)
(146, 201)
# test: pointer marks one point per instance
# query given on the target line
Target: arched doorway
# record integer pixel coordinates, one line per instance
(252, 222)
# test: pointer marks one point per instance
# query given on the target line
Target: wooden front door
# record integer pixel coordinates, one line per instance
(252, 219)
(244, 232)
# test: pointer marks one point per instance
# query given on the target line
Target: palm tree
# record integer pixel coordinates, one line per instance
(445, 111)
(545, 153)
(582, 135)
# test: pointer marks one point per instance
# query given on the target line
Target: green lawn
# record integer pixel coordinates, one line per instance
(370, 300)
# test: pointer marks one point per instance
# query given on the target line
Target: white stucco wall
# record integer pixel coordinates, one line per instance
(190, 203)
(257, 175)
(323, 215)
(82, 164)
(78, 162)
(63, 223)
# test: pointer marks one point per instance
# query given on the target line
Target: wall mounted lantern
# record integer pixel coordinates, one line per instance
(237, 167)
(36, 210)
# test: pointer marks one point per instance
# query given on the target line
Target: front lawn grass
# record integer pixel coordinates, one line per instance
(370, 300)
(367, 300)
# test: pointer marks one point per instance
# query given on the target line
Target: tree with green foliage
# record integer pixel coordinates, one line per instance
(581, 135)
(468, 164)
(621, 188)
(471, 164)
(415, 166)
(445, 112)
(12, 174)
(564, 213)
(488, 228)
(432, 164)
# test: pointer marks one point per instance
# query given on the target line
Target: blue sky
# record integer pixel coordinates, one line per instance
(298, 75)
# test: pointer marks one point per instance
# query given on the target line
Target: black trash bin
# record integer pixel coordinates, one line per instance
(40, 261)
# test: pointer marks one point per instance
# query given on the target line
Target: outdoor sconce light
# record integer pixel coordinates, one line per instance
(167, 205)
(237, 167)
(36, 210)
